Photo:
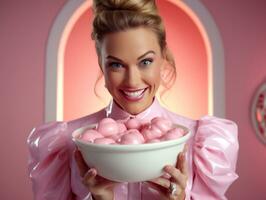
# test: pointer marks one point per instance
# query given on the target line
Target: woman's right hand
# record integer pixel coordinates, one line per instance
(100, 188)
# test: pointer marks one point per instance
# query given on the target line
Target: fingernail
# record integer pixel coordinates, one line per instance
(166, 175)
(92, 172)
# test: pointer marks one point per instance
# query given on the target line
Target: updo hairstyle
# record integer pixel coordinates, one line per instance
(112, 16)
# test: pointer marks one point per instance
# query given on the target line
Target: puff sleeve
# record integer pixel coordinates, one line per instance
(215, 152)
(49, 166)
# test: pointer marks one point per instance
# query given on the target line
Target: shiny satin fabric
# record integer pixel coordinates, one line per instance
(211, 157)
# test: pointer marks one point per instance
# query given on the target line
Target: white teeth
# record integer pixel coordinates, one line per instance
(133, 94)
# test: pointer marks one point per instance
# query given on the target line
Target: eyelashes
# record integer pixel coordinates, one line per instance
(114, 65)
(146, 62)
(143, 63)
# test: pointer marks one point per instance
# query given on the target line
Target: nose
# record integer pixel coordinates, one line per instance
(133, 76)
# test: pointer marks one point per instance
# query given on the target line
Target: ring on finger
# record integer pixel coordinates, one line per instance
(172, 188)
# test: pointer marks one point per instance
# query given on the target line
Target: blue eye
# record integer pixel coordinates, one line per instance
(146, 62)
(114, 65)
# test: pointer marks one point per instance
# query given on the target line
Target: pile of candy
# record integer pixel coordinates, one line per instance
(132, 131)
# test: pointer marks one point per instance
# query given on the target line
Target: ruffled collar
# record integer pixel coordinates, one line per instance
(115, 112)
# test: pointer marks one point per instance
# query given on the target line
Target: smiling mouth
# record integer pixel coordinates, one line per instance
(133, 95)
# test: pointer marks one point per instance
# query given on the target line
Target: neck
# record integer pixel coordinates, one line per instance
(134, 113)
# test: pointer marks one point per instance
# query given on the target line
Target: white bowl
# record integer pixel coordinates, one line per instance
(130, 163)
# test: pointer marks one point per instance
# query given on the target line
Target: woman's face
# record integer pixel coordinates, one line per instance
(131, 61)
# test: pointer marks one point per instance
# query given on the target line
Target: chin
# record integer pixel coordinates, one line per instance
(134, 110)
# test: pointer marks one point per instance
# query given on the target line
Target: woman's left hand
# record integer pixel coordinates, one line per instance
(177, 176)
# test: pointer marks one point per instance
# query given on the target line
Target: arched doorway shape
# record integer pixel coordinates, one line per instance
(69, 15)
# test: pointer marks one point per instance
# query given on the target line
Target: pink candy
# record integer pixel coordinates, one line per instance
(121, 127)
(117, 137)
(133, 124)
(132, 136)
(163, 124)
(90, 135)
(149, 133)
(173, 134)
(153, 141)
(132, 131)
(107, 127)
(104, 141)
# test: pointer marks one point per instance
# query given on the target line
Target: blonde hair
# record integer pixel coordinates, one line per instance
(118, 15)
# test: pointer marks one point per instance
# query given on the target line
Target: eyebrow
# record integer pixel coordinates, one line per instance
(115, 58)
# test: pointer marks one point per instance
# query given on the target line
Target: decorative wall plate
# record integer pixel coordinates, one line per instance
(258, 113)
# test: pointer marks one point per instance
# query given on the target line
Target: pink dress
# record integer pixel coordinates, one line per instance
(211, 157)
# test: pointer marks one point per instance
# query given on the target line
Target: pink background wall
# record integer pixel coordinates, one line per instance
(243, 28)
(23, 35)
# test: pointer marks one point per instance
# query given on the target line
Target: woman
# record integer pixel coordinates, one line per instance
(133, 56)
